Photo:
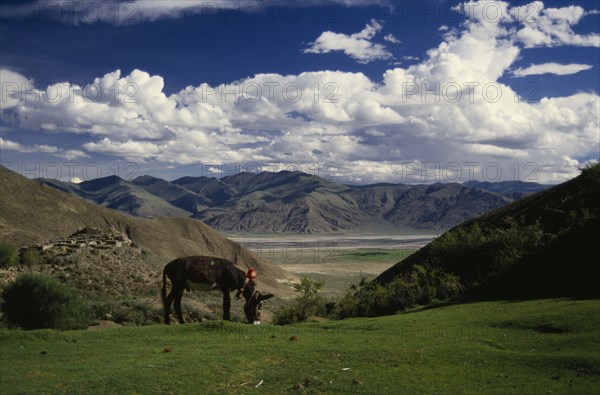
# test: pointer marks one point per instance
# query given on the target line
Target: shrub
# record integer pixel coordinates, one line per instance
(364, 300)
(419, 286)
(307, 303)
(309, 299)
(36, 301)
(128, 312)
(475, 254)
(286, 316)
(9, 256)
(64, 259)
(101, 310)
(591, 172)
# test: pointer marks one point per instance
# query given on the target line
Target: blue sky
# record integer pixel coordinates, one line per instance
(366, 91)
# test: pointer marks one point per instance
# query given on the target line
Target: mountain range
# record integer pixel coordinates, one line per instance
(511, 189)
(297, 202)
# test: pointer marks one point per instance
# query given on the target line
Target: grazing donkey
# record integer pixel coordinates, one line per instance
(205, 273)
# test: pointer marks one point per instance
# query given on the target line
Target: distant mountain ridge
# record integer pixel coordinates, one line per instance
(512, 189)
(298, 202)
(115, 193)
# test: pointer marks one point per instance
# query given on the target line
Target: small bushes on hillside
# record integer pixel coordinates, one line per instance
(484, 257)
(64, 259)
(36, 301)
(458, 261)
(136, 313)
(475, 254)
(128, 312)
(420, 286)
(307, 303)
(9, 256)
(592, 174)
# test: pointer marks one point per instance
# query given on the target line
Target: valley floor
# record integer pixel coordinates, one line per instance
(338, 260)
(520, 347)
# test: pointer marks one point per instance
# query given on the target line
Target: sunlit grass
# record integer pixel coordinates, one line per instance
(546, 346)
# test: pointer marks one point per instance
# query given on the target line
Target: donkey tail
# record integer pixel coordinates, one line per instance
(163, 292)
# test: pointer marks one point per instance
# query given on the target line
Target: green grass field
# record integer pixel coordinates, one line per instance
(532, 347)
(369, 255)
(333, 254)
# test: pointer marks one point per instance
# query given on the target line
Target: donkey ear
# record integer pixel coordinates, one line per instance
(265, 296)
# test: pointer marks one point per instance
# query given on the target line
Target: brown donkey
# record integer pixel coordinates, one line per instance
(205, 273)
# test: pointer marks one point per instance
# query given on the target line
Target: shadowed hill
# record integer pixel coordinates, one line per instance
(543, 245)
(175, 194)
(31, 212)
(115, 193)
(210, 188)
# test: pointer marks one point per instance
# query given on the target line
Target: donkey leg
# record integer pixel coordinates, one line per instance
(167, 306)
(226, 305)
(178, 297)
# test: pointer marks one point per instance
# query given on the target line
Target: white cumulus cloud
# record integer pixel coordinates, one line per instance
(391, 39)
(449, 108)
(118, 12)
(358, 45)
(42, 148)
(11, 86)
(551, 26)
(552, 68)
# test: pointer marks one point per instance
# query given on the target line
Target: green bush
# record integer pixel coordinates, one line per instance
(417, 287)
(36, 301)
(9, 256)
(307, 303)
(592, 173)
(365, 299)
(475, 254)
(133, 312)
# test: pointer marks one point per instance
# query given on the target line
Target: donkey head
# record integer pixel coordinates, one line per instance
(253, 307)
(254, 301)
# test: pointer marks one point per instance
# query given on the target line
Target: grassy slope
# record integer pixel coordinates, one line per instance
(546, 346)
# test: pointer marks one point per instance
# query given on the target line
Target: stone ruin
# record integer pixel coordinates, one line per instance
(84, 238)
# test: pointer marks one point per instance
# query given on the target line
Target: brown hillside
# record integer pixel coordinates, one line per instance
(31, 212)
